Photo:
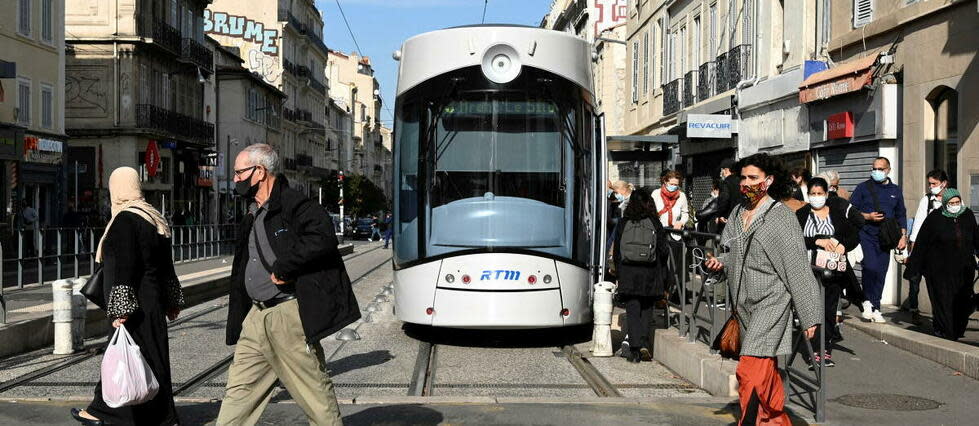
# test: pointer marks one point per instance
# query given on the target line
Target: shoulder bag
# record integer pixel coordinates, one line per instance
(890, 232)
(728, 341)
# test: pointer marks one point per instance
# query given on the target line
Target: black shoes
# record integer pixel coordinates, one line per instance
(633, 357)
(645, 355)
(636, 356)
(77, 414)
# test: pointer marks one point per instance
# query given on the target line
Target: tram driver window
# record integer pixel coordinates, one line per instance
(507, 147)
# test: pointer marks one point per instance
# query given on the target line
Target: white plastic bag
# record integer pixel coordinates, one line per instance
(126, 377)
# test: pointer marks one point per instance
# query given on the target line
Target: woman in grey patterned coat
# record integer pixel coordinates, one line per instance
(769, 272)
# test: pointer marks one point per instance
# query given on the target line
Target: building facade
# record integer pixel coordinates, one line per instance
(282, 41)
(352, 82)
(135, 74)
(900, 84)
(32, 132)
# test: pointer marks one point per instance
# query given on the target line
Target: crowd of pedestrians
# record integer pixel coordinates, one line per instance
(788, 246)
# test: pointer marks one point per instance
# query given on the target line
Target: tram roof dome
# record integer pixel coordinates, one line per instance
(430, 54)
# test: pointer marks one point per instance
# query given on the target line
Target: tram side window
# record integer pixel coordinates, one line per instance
(510, 148)
(406, 231)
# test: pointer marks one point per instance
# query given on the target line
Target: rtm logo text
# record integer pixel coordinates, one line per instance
(500, 275)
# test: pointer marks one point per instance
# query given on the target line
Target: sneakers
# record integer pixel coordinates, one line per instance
(624, 349)
(828, 360)
(877, 317)
(868, 310)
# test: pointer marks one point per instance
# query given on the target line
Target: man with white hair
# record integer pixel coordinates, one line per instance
(289, 290)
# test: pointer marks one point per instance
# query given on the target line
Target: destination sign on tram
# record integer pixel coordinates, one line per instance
(508, 108)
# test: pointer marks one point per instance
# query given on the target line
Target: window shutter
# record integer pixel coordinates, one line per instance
(863, 12)
(24, 103)
(24, 24)
(46, 20)
(46, 105)
(635, 72)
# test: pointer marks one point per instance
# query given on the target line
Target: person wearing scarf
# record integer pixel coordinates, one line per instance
(141, 292)
(944, 254)
(671, 202)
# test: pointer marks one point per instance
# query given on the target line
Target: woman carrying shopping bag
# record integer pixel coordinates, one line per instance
(141, 290)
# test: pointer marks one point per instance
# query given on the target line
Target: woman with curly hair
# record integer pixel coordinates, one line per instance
(641, 281)
(768, 272)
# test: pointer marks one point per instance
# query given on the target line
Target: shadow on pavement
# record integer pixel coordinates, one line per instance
(395, 415)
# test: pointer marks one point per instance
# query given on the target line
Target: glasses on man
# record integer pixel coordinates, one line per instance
(238, 172)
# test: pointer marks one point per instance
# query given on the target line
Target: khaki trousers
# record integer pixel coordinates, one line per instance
(273, 346)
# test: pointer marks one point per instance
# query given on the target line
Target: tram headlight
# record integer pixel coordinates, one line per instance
(449, 278)
(501, 63)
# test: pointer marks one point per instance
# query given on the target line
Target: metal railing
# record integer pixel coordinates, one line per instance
(740, 64)
(166, 36)
(689, 96)
(159, 118)
(671, 96)
(48, 254)
(705, 81)
(722, 77)
(197, 54)
(703, 304)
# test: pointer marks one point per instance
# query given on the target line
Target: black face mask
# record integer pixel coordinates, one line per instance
(245, 189)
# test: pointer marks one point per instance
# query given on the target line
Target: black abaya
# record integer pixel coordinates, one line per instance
(140, 281)
(944, 253)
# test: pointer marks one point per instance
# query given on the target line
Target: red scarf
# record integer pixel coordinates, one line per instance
(669, 200)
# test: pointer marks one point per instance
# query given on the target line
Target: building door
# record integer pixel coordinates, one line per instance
(853, 162)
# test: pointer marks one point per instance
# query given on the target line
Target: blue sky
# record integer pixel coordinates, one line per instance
(380, 27)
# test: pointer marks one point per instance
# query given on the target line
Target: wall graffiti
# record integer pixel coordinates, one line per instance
(264, 65)
(85, 90)
(222, 23)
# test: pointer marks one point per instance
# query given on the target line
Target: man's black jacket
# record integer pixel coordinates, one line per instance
(730, 195)
(305, 244)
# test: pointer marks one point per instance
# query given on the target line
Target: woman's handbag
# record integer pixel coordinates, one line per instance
(728, 341)
(829, 260)
(93, 289)
(126, 377)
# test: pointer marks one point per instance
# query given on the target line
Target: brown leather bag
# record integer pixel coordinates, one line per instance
(728, 340)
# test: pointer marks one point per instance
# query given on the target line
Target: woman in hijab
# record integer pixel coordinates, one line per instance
(141, 290)
(944, 254)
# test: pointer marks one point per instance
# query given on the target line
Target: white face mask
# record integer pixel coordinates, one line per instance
(954, 209)
(935, 190)
(817, 201)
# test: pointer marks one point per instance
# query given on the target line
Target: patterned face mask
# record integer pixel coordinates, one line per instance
(753, 193)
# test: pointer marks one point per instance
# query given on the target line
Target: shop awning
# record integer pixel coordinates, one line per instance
(844, 78)
(637, 142)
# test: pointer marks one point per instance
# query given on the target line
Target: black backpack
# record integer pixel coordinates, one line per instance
(638, 242)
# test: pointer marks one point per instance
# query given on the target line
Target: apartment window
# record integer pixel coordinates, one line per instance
(250, 106)
(174, 10)
(748, 34)
(863, 12)
(167, 93)
(645, 63)
(671, 58)
(696, 42)
(24, 17)
(732, 26)
(188, 23)
(144, 84)
(661, 31)
(635, 72)
(47, 106)
(24, 101)
(682, 51)
(713, 32)
(47, 20)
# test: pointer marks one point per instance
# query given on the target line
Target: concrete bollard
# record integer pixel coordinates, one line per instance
(61, 316)
(602, 332)
(79, 314)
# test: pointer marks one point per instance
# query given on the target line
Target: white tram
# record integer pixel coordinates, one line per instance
(499, 198)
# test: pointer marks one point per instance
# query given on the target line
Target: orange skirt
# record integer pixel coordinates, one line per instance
(761, 393)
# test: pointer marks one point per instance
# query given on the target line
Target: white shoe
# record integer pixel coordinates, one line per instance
(868, 310)
(878, 317)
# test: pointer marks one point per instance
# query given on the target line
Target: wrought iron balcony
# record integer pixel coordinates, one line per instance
(740, 64)
(289, 163)
(318, 42)
(197, 54)
(705, 81)
(303, 115)
(722, 76)
(294, 22)
(303, 71)
(689, 97)
(166, 36)
(671, 96)
(288, 114)
(304, 160)
(178, 125)
(288, 66)
(316, 85)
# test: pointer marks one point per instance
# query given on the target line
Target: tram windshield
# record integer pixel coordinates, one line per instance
(492, 167)
(501, 144)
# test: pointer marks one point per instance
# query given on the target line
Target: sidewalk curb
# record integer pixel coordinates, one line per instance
(957, 356)
(694, 362)
(27, 335)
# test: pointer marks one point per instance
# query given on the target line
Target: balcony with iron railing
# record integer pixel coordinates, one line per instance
(689, 96)
(165, 36)
(294, 22)
(317, 86)
(733, 66)
(303, 71)
(175, 124)
(289, 67)
(289, 163)
(304, 160)
(197, 54)
(289, 114)
(318, 42)
(671, 96)
(705, 81)
(303, 115)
